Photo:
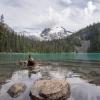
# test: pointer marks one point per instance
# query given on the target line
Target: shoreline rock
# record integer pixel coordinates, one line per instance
(16, 89)
(50, 90)
(95, 81)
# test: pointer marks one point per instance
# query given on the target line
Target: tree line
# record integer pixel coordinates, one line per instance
(92, 33)
(10, 41)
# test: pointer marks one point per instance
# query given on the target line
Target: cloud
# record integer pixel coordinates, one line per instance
(35, 15)
(54, 18)
(66, 1)
(89, 10)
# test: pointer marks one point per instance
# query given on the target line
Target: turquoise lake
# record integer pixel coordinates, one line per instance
(10, 57)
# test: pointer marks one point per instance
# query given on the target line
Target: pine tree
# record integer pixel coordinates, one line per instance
(2, 19)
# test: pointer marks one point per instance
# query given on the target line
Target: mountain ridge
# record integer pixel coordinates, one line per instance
(90, 33)
(54, 33)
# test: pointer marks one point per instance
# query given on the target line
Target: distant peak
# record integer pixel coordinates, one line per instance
(55, 33)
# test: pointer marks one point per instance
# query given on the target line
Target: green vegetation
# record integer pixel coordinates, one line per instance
(91, 33)
(10, 41)
(53, 46)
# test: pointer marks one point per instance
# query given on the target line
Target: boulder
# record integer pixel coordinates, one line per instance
(2, 82)
(16, 89)
(95, 81)
(94, 73)
(23, 63)
(50, 90)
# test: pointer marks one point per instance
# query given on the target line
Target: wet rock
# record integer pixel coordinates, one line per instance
(45, 76)
(50, 90)
(95, 81)
(16, 89)
(23, 63)
(2, 82)
(94, 73)
(35, 71)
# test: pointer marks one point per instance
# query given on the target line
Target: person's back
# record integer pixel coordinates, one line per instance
(31, 61)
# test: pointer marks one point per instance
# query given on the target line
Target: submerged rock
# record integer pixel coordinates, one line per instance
(2, 82)
(16, 89)
(94, 73)
(50, 90)
(95, 81)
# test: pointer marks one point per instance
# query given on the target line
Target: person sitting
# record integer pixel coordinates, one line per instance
(31, 62)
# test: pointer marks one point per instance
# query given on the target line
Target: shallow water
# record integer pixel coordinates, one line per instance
(80, 88)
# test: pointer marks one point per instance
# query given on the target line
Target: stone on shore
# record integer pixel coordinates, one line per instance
(16, 89)
(50, 90)
(95, 81)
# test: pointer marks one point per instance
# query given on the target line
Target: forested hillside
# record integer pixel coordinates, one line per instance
(91, 33)
(10, 41)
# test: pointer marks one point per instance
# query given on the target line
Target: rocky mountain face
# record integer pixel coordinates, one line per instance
(54, 33)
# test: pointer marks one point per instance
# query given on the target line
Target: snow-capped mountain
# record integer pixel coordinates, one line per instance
(54, 33)
(48, 34)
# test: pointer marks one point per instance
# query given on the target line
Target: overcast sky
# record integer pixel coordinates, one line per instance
(35, 15)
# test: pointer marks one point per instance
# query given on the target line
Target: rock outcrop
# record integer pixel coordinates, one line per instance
(50, 90)
(16, 89)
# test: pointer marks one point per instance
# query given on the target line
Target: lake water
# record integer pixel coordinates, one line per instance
(12, 57)
(78, 72)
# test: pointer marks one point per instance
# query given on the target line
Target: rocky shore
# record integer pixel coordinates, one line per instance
(49, 82)
(43, 90)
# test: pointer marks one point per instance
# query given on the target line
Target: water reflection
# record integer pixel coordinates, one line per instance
(80, 88)
(29, 73)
